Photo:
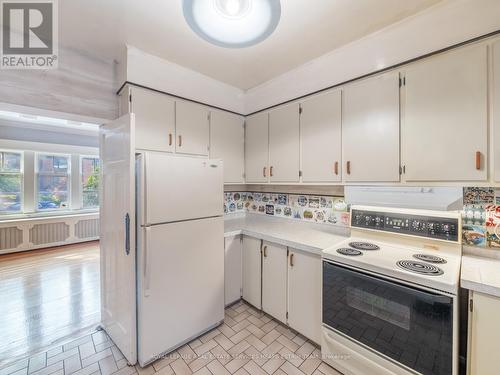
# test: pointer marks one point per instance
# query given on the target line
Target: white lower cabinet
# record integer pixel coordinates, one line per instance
(274, 280)
(252, 271)
(484, 327)
(232, 269)
(304, 294)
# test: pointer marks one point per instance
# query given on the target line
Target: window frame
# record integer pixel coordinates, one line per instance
(81, 181)
(21, 174)
(38, 173)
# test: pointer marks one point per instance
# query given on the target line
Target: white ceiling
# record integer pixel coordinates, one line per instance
(308, 29)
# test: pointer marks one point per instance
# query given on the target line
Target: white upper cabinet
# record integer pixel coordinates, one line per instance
(257, 148)
(370, 131)
(496, 109)
(321, 138)
(227, 142)
(444, 131)
(284, 144)
(154, 119)
(192, 128)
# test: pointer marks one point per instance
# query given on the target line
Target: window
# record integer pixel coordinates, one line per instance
(53, 176)
(11, 181)
(90, 181)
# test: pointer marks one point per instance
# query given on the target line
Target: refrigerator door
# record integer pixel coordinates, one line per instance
(180, 284)
(180, 188)
(118, 282)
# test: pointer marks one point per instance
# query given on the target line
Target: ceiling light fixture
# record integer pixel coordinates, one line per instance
(233, 23)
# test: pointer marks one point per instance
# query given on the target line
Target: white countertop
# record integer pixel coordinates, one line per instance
(300, 235)
(481, 274)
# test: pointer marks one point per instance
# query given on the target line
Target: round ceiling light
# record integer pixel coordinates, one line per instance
(233, 23)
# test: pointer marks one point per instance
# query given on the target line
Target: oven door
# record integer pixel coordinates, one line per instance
(411, 326)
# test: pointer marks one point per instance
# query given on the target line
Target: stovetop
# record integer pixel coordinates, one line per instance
(436, 269)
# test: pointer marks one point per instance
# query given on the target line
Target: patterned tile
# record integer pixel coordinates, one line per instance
(255, 344)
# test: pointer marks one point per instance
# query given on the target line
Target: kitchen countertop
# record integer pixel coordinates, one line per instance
(310, 237)
(481, 274)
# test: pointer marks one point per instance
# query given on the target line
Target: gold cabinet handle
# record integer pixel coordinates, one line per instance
(478, 160)
(348, 167)
(336, 168)
(264, 171)
(170, 139)
(180, 140)
(264, 251)
(271, 171)
(291, 260)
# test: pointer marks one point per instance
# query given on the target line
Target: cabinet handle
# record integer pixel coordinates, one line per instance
(478, 160)
(336, 168)
(271, 171)
(291, 260)
(264, 251)
(264, 172)
(180, 140)
(348, 167)
(170, 139)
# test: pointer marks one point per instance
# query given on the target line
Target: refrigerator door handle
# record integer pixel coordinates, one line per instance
(146, 261)
(127, 234)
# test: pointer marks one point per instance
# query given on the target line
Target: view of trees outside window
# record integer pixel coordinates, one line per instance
(11, 182)
(90, 182)
(53, 182)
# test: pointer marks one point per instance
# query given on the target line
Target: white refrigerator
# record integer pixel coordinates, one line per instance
(179, 251)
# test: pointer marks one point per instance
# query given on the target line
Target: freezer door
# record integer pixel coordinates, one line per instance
(180, 284)
(181, 188)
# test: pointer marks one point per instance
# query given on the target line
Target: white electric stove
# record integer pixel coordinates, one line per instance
(390, 293)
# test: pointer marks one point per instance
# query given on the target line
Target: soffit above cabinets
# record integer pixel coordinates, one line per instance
(158, 27)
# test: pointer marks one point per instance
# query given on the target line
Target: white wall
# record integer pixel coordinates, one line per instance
(81, 85)
(446, 24)
(154, 72)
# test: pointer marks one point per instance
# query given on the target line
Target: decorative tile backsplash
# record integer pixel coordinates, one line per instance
(481, 217)
(311, 208)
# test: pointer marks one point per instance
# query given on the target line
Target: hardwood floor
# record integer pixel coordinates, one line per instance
(47, 295)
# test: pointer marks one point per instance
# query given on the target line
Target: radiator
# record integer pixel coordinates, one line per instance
(10, 238)
(87, 228)
(48, 233)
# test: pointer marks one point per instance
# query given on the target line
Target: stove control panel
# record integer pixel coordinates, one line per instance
(415, 225)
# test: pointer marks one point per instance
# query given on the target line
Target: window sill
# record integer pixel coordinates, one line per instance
(46, 214)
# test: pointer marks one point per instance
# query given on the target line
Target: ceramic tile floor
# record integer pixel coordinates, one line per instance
(249, 342)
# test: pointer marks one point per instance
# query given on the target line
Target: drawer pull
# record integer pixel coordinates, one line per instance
(264, 251)
(291, 260)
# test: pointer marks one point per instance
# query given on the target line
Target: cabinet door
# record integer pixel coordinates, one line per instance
(485, 326)
(257, 148)
(274, 268)
(192, 128)
(284, 145)
(321, 138)
(304, 294)
(445, 117)
(496, 109)
(154, 119)
(370, 131)
(232, 269)
(252, 272)
(227, 142)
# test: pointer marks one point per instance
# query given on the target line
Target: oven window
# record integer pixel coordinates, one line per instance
(410, 326)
